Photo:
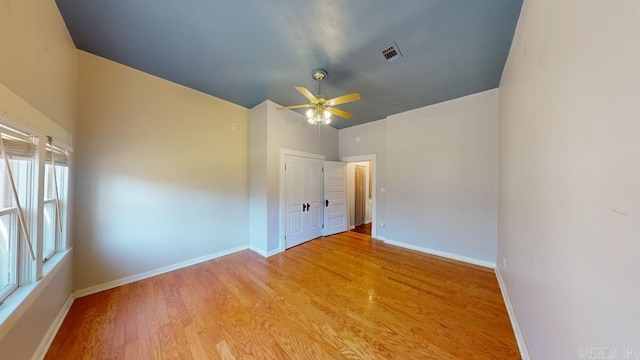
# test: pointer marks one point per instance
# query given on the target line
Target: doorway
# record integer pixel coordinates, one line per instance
(361, 194)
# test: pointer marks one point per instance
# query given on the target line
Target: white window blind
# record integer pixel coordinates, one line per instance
(56, 156)
(15, 144)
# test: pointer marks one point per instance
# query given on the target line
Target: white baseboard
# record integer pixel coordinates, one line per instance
(351, 227)
(444, 254)
(522, 345)
(53, 330)
(264, 253)
(152, 273)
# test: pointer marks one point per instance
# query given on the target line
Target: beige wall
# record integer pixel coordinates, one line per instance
(570, 177)
(38, 59)
(37, 89)
(161, 173)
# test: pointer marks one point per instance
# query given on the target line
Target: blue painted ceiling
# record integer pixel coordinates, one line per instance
(247, 51)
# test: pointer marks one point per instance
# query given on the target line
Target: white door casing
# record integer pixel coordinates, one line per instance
(303, 197)
(374, 184)
(335, 197)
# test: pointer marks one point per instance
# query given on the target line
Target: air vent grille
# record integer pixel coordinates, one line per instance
(391, 52)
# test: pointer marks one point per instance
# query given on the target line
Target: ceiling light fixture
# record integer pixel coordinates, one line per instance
(320, 109)
(318, 115)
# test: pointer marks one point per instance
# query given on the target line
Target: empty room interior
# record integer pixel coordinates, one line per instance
(209, 179)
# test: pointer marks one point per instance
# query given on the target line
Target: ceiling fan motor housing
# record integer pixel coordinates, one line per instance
(319, 74)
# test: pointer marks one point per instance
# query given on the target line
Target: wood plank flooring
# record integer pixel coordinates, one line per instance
(345, 296)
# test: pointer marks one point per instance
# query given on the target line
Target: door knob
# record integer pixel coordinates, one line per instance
(326, 203)
(304, 207)
(308, 206)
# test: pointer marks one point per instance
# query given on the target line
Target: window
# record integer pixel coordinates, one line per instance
(8, 252)
(20, 150)
(55, 202)
(34, 175)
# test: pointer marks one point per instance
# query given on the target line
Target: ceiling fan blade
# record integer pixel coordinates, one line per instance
(306, 93)
(343, 99)
(338, 112)
(295, 107)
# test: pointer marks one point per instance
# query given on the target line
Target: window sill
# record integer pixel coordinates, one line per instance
(52, 263)
(18, 302)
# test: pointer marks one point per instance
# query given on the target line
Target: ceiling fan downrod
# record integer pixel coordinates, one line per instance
(319, 75)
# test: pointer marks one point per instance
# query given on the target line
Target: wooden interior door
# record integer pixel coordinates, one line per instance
(335, 197)
(360, 196)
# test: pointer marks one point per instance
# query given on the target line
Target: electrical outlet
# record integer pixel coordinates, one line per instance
(381, 224)
(504, 263)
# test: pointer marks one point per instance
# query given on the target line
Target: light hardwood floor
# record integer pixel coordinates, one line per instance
(343, 296)
(364, 229)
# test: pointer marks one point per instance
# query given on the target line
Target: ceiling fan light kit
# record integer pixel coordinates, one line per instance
(318, 116)
(320, 109)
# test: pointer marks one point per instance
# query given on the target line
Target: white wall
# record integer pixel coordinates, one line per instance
(161, 173)
(257, 171)
(570, 176)
(442, 172)
(438, 166)
(285, 129)
(38, 89)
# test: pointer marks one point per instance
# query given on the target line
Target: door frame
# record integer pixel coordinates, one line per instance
(282, 180)
(374, 169)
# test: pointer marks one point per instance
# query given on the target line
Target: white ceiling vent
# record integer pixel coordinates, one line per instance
(391, 52)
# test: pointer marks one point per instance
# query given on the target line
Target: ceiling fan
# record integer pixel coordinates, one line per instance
(320, 108)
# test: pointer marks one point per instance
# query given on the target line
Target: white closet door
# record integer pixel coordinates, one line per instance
(314, 196)
(335, 195)
(294, 198)
(303, 197)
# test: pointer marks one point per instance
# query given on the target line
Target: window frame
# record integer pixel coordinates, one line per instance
(22, 169)
(60, 209)
(46, 256)
(28, 272)
(12, 285)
